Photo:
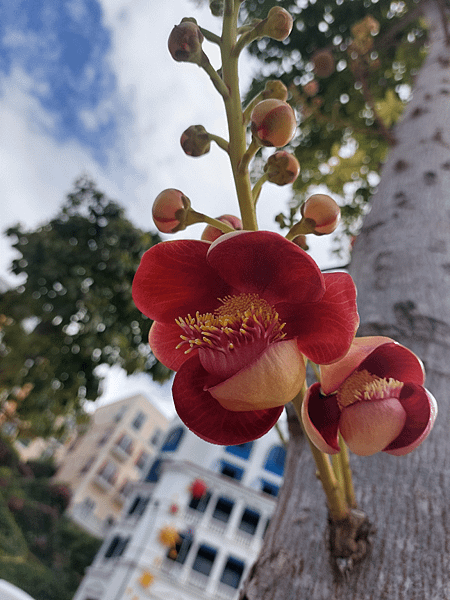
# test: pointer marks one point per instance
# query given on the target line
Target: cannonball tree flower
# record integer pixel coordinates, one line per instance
(235, 319)
(374, 397)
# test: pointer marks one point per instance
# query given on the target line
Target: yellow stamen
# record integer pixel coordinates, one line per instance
(362, 385)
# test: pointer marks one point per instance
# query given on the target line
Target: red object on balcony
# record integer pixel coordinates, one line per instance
(198, 488)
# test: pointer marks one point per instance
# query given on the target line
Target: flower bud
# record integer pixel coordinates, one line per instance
(282, 168)
(170, 210)
(323, 212)
(210, 234)
(216, 7)
(300, 240)
(275, 89)
(185, 42)
(278, 24)
(311, 88)
(323, 62)
(273, 123)
(195, 141)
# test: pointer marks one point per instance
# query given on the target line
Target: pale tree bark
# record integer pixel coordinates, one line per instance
(401, 266)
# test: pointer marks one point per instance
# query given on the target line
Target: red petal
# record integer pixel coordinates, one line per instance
(163, 339)
(421, 410)
(203, 415)
(267, 264)
(325, 329)
(174, 280)
(396, 361)
(320, 416)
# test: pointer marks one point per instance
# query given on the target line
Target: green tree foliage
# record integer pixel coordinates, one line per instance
(346, 122)
(73, 309)
(41, 551)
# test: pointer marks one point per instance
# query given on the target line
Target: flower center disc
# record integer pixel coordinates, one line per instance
(234, 335)
(363, 386)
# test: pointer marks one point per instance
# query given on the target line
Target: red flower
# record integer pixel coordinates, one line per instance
(233, 318)
(374, 397)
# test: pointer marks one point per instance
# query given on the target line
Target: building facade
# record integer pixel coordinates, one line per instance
(101, 465)
(218, 533)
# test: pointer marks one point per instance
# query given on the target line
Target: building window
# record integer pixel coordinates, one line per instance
(200, 504)
(138, 420)
(138, 506)
(249, 521)
(126, 488)
(155, 471)
(173, 440)
(232, 572)
(142, 460)
(116, 547)
(119, 415)
(125, 443)
(156, 437)
(108, 472)
(223, 509)
(87, 465)
(241, 450)
(87, 506)
(275, 460)
(269, 488)
(230, 470)
(181, 549)
(105, 437)
(204, 560)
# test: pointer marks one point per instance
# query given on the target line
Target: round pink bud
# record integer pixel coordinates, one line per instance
(323, 62)
(323, 211)
(273, 123)
(278, 24)
(210, 234)
(170, 210)
(195, 141)
(275, 89)
(282, 168)
(311, 88)
(185, 42)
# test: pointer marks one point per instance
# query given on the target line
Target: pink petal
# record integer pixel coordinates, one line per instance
(396, 361)
(267, 264)
(421, 411)
(320, 416)
(333, 375)
(174, 280)
(273, 379)
(367, 427)
(325, 329)
(203, 415)
(163, 339)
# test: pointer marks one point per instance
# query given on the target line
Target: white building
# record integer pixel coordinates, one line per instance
(220, 534)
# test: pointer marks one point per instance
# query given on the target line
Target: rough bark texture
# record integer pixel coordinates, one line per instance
(401, 265)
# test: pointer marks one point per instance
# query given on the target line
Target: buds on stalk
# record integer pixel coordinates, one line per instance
(282, 168)
(195, 141)
(323, 62)
(273, 123)
(300, 240)
(170, 210)
(185, 42)
(324, 213)
(210, 233)
(278, 24)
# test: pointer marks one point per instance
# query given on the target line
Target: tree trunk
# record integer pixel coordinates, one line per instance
(401, 266)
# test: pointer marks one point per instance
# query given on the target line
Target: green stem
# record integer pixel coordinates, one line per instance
(304, 226)
(214, 76)
(347, 473)
(280, 435)
(337, 504)
(258, 186)
(196, 217)
(247, 156)
(233, 108)
(219, 141)
(210, 36)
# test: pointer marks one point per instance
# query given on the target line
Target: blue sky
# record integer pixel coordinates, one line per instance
(89, 87)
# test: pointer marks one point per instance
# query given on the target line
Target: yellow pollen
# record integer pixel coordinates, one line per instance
(362, 385)
(238, 316)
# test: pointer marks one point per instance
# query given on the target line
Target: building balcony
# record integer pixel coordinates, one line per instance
(102, 483)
